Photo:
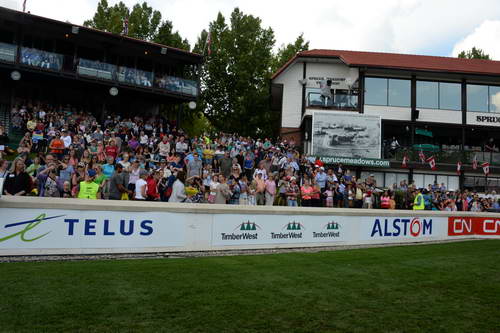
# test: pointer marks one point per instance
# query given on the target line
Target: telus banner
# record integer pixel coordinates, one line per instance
(50, 228)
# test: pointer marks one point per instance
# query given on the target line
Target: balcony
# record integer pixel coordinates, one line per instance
(96, 69)
(41, 59)
(8, 52)
(444, 154)
(176, 84)
(341, 99)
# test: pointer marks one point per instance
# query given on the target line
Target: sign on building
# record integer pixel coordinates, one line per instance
(345, 134)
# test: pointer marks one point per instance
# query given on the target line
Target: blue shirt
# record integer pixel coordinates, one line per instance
(108, 170)
(321, 179)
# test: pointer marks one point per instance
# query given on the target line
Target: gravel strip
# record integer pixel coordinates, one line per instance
(172, 255)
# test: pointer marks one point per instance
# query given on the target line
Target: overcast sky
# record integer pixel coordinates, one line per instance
(432, 27)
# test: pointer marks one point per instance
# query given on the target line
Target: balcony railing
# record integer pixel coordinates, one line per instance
(97, 69)
(8, 52)
(100, 70)
(176, 84)
(135, 77)
(340, 100)
(41, 59)
(442, 155)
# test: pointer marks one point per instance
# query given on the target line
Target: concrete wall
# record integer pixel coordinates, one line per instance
(40, 226)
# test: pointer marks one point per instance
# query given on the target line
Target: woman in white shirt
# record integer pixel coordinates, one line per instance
(141, 186)
(178, 189)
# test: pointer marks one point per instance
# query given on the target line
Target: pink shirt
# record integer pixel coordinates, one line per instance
(271, 187)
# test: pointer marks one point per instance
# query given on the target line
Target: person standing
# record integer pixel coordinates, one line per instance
(260, 189)
(194, 166)
(178, 188)
(118, 183)
(270, 190)
(88, 188)
(17, 181)
(223, 193)
(226, 164)
(141, 186)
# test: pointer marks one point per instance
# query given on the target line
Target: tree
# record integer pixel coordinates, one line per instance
(236, 75)
(165, 36)
(286, 52)
(474, 53)
(144, 23)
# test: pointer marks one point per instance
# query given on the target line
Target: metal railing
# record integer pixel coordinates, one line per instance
(441, 155)
(345, 100)
(41, 59)
(8, 52)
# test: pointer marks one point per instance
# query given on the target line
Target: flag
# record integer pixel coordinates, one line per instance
(24, 6)
(209, 43)
(422, 157)
(432, 162)
(459, 167)
(405, 161)
(486, 168)
(474, 162)
(125, 26)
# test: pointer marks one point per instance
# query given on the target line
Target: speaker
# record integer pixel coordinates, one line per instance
(417, 114)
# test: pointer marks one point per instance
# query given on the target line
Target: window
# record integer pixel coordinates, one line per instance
(450, 97)
(376, 91)
(439, 95)
(477, 98)
(399, 92)
(392, 92)
(427, 95)
(494, 99)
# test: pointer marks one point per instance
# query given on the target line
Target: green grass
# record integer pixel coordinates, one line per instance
(452, 287)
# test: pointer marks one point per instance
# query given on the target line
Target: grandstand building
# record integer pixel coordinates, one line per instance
(66, 64)
(440, 107)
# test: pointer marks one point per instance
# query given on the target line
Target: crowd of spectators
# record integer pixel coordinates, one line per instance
(69, 153)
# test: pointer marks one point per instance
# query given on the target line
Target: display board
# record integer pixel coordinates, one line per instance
(346, 134)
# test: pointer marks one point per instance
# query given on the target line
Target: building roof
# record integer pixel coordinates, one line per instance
(402, 61)
(68, 25)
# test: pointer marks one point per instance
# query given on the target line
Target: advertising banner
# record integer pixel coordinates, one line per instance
(346, 134)
(468, 226)
(70, 229)
(235, 229)
(400, 229)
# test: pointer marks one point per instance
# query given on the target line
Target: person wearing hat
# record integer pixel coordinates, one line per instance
(88, 189)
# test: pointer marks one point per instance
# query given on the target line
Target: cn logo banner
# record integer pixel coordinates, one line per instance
(49, 228)
(466, 226)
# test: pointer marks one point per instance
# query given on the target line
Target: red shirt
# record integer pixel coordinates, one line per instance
(111, 151)
(152, 191)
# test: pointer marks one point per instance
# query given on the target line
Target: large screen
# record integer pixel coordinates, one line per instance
(345, 134)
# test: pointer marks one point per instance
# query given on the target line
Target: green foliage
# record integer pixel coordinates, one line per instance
(286, 52)
(143, 23)
(166, 36)
(449, 287)
(235, 77)
(474, 53)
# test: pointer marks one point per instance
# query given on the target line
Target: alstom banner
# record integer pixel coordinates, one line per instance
(70, 229)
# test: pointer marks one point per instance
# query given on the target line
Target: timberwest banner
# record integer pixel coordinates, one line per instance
(70, 229)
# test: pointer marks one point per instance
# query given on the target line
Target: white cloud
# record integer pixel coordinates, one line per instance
(486, 37)
(406, 26)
